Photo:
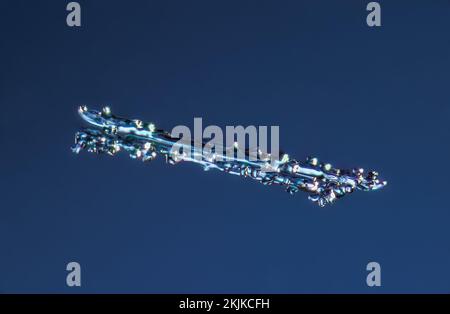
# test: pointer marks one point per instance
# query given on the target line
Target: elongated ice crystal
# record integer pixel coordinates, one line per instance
(324, 183)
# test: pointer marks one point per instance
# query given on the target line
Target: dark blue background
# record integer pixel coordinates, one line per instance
(349, 94)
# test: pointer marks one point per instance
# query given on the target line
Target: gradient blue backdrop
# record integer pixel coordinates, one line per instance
(347, 93)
